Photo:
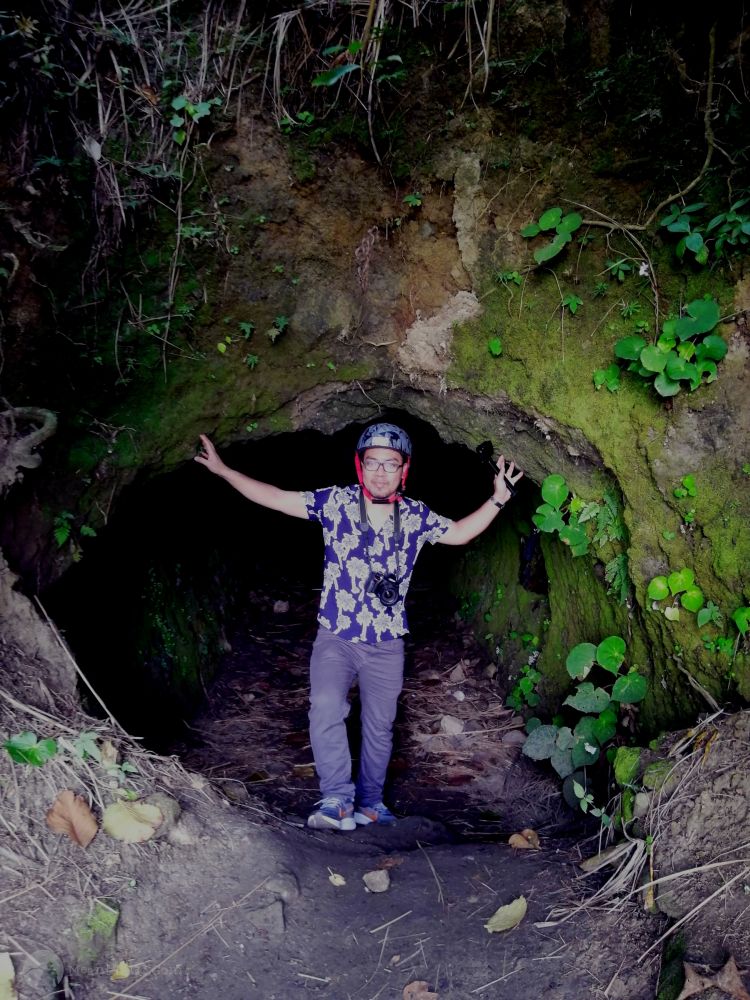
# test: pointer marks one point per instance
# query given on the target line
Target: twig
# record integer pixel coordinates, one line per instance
(441, 900)
(395, 920)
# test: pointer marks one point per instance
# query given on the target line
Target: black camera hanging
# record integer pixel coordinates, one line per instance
(385, 586)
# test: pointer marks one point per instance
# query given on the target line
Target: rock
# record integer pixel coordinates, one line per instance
(451, 725)
(459, 695)
(269, 919)
(490, 670)
(170, 809)
(39, 973)
(280, 607)
(186, 832)
(284, 884)
(641, 803)
(377, 881)
(458, 673)
(515, 738)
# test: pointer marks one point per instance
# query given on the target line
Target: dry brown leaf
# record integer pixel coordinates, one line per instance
(418, 991)
(392, 861)
(525, 840)
(109, 753)
(132, 822)
(7, 978)
(727, 979)
(532, 836)
(70, 814)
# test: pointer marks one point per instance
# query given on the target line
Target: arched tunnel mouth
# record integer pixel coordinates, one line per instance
(193, 615)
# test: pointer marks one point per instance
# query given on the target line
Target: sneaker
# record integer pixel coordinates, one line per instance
(334, 813)
(377, 813)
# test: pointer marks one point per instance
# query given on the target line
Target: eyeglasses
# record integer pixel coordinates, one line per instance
(390, 465)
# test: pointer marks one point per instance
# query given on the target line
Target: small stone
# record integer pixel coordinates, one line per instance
(515, 738)
(40, 972)
(490, 670)
(641, 804)
(451, 725)
(459, 695)
(377, 881)
(170, 809)
(458, 673)
(280, 607)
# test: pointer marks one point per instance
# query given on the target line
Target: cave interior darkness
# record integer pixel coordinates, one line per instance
(190, 528)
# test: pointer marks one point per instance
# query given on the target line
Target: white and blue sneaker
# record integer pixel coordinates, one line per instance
(335, 813)
(377, 813)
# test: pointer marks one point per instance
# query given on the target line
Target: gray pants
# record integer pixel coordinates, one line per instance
(334, 664)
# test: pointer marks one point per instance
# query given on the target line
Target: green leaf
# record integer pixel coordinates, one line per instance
(565, 738)
(179, 136)
(703, 315)
(630, 688)
(653, 359)
(576, 538)
(610, 653)
(562, 761)
(676, 366)
(531, 230)
(540, 743)
(680, 580)
(585, 729)
(609, 377)
(629, 348)
(555, 490)
(605, 725)
(694, 242)
(551, 249)
(331, 76)
(25, 748)
(672, 614)
(703, 367)
(580, 660)
(712, 347)
(548, 519)
(585, 752)
(86, 746)
(658, 588)
(741, 618)
(179, 102)
(588, 698)
(495, 347)
(569, 223)
(550, 218)
(665, 386)
(704, 617)
(692, 599)
(176, 120)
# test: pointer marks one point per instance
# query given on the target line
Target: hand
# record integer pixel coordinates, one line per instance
(502, 494)
(208, 456)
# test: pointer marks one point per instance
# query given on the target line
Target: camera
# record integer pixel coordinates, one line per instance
(384, 587)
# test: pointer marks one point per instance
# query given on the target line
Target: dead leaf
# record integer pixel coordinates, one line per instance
(418, 991)
(335, 879)
(70, 814)
(109, 753)
(378, 880)
(120, 971)
(132, 822)
(507, 917)
(7, 978)
(727, 979)
(392, 861)
(304, 770)
(525, 840)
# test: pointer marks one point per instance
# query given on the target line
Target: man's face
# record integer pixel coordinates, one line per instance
(378, 479)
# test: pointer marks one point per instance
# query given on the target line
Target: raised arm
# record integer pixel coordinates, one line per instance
(463, 531)
(286, 501)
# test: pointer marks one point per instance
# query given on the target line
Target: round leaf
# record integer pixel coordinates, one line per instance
(540, 743)
(551, 249)
(712, 347)
(550, 218)
(531, 230)
(605, 726)
(658, 589)
(692, 599)
(569, 223)
(653, 359)
(610, 653)
(584, 753)
(629, 348)
(548, 519)
(665, 386)
(562, 761)
(630, 688)
(587, 699)
(555, 490)
(680, 580)
(580, 660)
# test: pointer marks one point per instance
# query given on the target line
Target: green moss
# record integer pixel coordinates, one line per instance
(626, 764)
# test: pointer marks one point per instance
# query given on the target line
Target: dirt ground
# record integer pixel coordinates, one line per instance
(240, 900)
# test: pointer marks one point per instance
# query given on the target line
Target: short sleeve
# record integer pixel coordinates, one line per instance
(315, 501)
(435, 525)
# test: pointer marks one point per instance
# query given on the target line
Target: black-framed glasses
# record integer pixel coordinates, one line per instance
(390, 465)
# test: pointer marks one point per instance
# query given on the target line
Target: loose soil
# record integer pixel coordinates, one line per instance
(239, 899)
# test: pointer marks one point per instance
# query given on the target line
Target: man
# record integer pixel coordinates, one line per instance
(373, 535)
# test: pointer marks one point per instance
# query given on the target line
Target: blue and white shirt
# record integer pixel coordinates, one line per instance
(345, 608)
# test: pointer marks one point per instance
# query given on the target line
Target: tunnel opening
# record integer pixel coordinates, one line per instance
(194, 613)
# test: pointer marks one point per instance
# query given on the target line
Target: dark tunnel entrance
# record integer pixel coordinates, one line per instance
(192, 583)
